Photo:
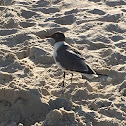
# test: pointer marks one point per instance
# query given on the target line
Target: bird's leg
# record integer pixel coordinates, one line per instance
(63, 78)
(71, 77)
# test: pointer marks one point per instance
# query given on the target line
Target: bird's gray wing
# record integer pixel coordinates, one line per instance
(70, 60)
(74, 50)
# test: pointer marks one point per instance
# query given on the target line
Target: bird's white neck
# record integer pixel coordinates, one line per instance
(58, 44)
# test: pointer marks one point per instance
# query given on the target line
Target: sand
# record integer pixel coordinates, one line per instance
(30, 82)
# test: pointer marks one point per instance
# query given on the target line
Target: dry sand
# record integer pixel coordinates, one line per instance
(30, 92)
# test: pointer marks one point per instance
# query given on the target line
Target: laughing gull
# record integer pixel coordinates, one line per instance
(69, 59)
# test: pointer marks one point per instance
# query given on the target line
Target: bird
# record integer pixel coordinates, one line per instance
(70, 59)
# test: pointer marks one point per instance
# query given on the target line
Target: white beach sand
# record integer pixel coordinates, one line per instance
(30, 92)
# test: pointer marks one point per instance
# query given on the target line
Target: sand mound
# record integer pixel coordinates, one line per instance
(20, 105)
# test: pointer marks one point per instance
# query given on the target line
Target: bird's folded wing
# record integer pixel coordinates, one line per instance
(73, 50)
(70, 60)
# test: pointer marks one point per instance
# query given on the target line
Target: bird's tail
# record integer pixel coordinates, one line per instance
(91, 76)
(101, 74)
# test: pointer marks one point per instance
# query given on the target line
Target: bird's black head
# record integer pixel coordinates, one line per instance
(58, 37)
